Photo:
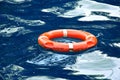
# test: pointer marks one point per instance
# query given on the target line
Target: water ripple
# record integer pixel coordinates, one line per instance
(23, 21)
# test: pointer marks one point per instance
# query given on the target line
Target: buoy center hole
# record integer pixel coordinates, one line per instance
(66, 40)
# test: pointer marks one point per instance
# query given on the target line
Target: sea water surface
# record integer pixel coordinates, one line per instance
(22, 21)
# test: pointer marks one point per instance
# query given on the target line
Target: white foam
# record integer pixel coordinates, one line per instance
(74, 13)
(31, 48)
(27, 22)
(8, 32)
(94, 18)
(44, 78)
(116, 44)
(54, 10)
(16, 1)
(13, 67)
(88, 6)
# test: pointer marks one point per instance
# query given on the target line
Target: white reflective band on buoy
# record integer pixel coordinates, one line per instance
(70, 47)
(64, 33)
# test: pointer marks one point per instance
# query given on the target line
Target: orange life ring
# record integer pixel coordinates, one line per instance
(89, 40)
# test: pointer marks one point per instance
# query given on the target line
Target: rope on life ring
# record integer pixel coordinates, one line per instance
(88, 40)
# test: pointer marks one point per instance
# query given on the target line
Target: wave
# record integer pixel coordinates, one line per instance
(23, 21)
(87, 10)
(48, 59)
(96, 63)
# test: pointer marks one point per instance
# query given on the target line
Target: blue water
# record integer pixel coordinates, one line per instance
(22, 21)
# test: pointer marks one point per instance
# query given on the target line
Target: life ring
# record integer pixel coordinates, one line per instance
(88, 40)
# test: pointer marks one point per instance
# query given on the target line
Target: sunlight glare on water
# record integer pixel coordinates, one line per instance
(96, 63)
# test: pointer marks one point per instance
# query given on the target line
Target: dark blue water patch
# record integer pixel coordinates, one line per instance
(16, 47)
(7, 8)
(74, 24)
(5, 22)
(17, 9)
(1, 76)
(112, 2)
(115, 32)
(48, 4)
(112, 51)
(105, 42)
